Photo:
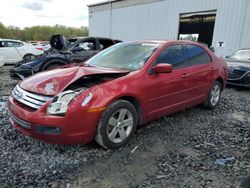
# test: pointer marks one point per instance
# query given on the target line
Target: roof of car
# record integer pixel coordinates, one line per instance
(89, 37)
(10, 40)
(166, 41)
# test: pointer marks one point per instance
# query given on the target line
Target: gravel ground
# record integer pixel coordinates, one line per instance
(192, 148)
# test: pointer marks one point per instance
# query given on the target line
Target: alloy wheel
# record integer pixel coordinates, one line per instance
(215, 95)
(120, 125)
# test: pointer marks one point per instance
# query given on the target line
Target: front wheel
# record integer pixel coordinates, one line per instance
(117, 125)
(214, 95)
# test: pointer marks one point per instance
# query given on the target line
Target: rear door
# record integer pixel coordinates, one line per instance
(167, 92)
(201, 73)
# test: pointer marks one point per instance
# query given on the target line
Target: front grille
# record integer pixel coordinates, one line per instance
(19, 121)
(236, 74)
(29, 99)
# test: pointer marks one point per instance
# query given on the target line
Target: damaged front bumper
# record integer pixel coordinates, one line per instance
(16, 72)
(73, 128)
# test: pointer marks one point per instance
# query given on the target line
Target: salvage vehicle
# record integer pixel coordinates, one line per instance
(75, 50)
(239, 68)
(116, 91)
(16, 50)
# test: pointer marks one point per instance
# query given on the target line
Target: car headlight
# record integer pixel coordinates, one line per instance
(59, 104)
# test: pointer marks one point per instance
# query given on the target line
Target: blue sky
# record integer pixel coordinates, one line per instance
(27, 13)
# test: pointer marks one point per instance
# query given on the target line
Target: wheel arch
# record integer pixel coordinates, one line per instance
(28, 54)
(221, 81)
(52, 61)
(136, 103)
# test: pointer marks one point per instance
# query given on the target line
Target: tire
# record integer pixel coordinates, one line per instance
(114, 136)
(214, 96)
(28, 57)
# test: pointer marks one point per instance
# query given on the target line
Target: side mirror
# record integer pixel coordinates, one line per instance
(212, 49)
(76, 49)
(163, 68)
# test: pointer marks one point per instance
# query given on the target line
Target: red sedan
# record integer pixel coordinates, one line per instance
(121, 88)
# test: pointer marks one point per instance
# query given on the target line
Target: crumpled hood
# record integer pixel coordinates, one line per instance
(55, 81)
(239, 65)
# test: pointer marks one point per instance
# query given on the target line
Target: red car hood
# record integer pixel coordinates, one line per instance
(55, 81)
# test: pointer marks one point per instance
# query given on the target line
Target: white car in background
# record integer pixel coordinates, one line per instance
(43, 45)
(1, 60)
(16, 50)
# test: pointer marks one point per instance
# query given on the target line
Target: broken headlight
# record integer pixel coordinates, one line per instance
(59, 104)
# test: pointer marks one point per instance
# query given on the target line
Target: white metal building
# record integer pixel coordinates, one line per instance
(223, 24)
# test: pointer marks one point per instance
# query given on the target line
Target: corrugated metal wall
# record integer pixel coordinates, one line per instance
(160, 20)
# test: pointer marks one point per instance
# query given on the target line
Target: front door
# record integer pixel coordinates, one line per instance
(167, 92)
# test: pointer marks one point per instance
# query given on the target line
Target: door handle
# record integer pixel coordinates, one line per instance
(212, 69)
(185, 75)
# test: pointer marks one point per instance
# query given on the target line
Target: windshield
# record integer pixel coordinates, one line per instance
(241, 55)
(127, 55)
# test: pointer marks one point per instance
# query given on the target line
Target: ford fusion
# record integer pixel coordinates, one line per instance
(113, 93)
(239, 68)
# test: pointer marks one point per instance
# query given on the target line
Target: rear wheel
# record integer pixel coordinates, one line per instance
(28, 57)
(117, 125)
(214, 95)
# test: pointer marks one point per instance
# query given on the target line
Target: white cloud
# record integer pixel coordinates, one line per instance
(33, 5)
(27, 13)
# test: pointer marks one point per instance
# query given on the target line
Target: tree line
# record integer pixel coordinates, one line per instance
(40, 33)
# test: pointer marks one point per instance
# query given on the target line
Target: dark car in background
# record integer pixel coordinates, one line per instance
(239, 68)
(75, 50)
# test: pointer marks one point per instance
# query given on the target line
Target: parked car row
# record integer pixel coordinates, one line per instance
(75, 50)
(110, 95)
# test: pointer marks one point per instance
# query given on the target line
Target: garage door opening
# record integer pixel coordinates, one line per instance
(197, 26)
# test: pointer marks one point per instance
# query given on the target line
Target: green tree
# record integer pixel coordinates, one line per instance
(41, 32)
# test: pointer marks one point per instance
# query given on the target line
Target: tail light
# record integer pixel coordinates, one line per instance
(40, 49)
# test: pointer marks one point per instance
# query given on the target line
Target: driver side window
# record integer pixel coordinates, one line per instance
(173, 55)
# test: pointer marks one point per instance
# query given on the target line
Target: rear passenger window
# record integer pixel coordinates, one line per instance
(173, 55)
(196, 55)
(13, 44)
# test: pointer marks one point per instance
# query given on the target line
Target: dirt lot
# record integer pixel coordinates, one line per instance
(192, 148)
